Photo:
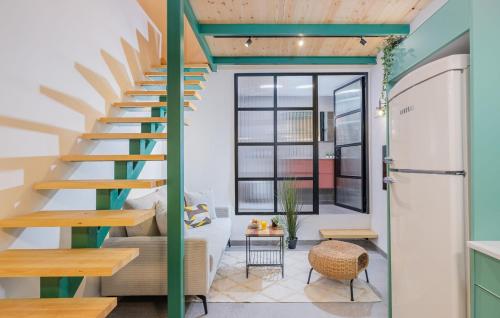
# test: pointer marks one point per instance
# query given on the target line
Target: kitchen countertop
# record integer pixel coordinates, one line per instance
(490, 248)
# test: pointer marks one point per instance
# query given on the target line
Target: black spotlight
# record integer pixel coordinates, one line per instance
(362, 41)
(248, 42)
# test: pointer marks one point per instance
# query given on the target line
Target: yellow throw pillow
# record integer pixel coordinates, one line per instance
(196, 216)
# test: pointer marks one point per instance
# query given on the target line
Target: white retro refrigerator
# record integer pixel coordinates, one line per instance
(428, 190)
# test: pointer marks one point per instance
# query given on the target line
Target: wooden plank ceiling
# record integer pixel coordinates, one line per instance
(301, 12)
(157, 11)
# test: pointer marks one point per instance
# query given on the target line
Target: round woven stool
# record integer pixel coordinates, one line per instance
(338, 260)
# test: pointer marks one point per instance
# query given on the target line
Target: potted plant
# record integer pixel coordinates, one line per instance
(289, 199)
(275, 221)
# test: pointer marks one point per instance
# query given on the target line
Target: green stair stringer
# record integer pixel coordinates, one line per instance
(106, 199)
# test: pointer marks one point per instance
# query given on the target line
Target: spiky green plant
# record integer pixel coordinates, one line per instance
(290, 203)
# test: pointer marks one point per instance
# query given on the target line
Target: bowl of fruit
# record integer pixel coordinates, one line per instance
(254, 224)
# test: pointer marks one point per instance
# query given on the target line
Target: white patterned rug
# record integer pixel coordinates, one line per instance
(265, 284)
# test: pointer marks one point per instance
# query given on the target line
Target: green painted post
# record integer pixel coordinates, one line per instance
(175, 150)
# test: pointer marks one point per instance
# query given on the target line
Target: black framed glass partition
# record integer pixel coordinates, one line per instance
(277, 132)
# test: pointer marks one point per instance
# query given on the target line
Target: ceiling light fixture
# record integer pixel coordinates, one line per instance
(301, 41)
(362, 41)
(248, 42)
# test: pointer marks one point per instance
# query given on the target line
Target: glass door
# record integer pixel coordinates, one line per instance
(350, 168)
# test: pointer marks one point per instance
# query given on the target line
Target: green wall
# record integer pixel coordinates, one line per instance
(447, 24)
(485, 120)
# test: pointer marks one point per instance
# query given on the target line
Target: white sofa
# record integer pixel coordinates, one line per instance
(147, 274)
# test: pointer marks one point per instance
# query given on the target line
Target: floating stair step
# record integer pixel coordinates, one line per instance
(348, 234)
(132, 120)
(95, 307)
(79, 218)
(100, 184)
(201, 76)
(107, 136)
(188, 94)
(65, 262)
(136, 120)
(81, 158)
(133, 104)
(188, 84)
(188, 67)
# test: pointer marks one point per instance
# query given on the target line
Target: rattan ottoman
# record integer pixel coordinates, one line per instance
(338, 260)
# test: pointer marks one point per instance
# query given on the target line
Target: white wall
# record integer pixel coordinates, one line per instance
(61, 65)
(378, 196)
(209, 149)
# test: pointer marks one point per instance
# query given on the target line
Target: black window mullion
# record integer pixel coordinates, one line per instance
(315, 146)
(275, 144)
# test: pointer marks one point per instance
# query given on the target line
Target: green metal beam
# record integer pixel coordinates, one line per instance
(175, 150)
(303, 29)
(191, 17)
(296, 60)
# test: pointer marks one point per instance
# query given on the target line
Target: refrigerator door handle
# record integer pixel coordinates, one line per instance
(388, 180)
(439, 172)
(388, 160)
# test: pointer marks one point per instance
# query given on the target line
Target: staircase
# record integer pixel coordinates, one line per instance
(61, 271)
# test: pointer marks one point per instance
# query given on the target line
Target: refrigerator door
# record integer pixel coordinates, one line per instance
(427, 124)
(428, 246)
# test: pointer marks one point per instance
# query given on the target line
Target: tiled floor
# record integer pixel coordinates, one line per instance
(155, 307)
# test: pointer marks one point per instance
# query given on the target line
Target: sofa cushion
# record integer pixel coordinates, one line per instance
(148, 227)
(161, 217)
(217, 235)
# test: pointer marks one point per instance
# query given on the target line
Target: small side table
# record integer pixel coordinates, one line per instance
(265, 257)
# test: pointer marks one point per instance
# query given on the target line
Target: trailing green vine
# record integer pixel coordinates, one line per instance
(388, 62)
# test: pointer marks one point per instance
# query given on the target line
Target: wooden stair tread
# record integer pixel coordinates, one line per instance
(91, 307)
(201, 65)
(100, 184)
(132, 120)
(125, 136)
(160, 73)
(78, 218)
(77, 158)
(65, 262)
(159, 93)
(164, 83)
(136, 104)
(136, 120)
(348, 234)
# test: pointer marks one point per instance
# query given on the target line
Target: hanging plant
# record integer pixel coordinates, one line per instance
(388, 62)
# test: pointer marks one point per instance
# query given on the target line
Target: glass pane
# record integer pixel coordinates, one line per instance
(295, 126)
(326, 181)
(348, 129)
(348, 98)
(255, 91)
(305, 194)
(255, 196)
(350, 164)
(255, 126)
(349, 192)
(255, 162)
(295, 161)
(295, 91)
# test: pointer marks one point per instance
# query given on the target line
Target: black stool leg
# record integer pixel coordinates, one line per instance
(204, 300)
(366, 273)
(309, 279)
(352, 292)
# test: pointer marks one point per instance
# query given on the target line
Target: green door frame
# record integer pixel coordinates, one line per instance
(175, 151)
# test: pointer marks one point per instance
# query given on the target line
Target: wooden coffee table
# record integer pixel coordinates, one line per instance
(268, 256)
